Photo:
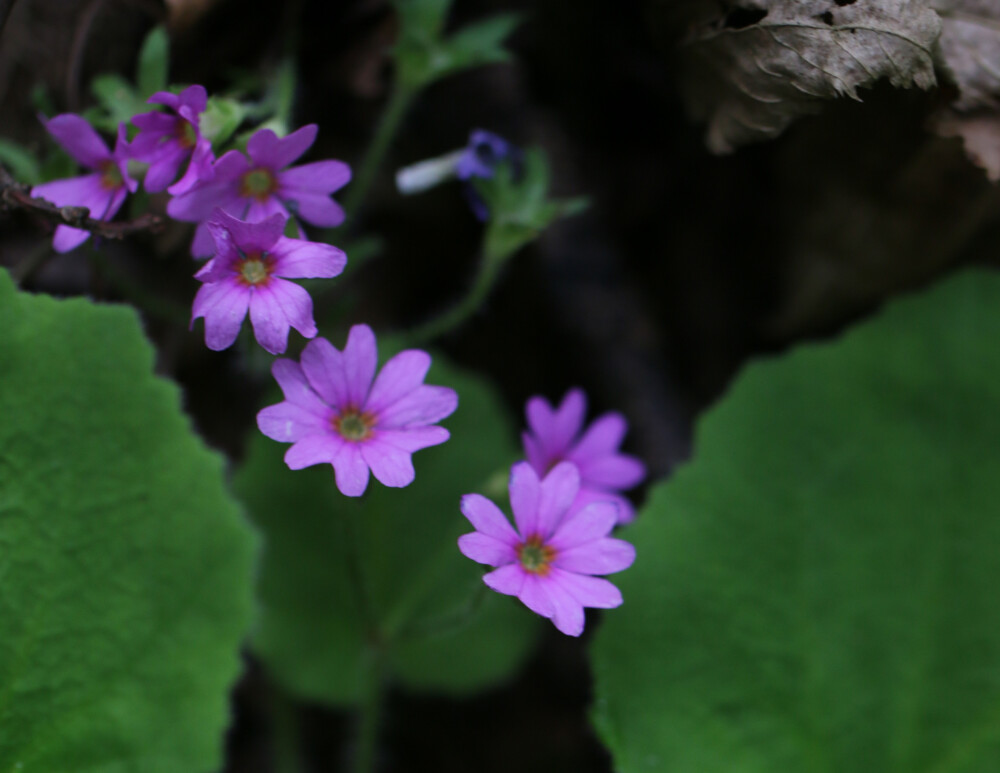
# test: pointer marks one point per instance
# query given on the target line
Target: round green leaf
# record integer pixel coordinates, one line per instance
(817, 589)
(439, 630)
(125, 568)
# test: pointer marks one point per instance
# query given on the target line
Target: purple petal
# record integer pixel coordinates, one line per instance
(557, 491)
(535, 453)
(121, 157)
(525, 491)
(85, 191)
(614, 472)
(248, 236)
(535, 596)
(276, 306)
(267, 150)
(194, 97)
(589, 591)
(318, 177)
(152, 127)
(556, 429)
(296, 388)
(399, 377)
(258, 210)
(224, 307)
(221, 191)
(317, 209)
(424, 405)
(486, 518)
(165, 98)
(118, 196)
(602, 438)
(593, 522)
(314, 449)
(507, 579)
(360, 361)
(199, 169)
(351, 470)
(390, 466)
(288, 423)
(486, 550)
(626, 511)
(163, 170)
(413, 438)
(567, 611)
(79, 139)
(296, 258)
(67, 238)
(602, 556)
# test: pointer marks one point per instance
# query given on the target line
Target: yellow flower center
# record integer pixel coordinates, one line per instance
(535, 556)
(254, 269)
(353, 425)
(185, 133)
(111, 175)
(258, 183)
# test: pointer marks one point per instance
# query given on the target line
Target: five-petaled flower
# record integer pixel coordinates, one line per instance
(247, 272)
(557, 434)
(166, 140)
(549, 561)
(336, 411)
(259, 187)
(101, 192)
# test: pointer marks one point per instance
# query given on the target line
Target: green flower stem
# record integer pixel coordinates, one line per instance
(489, 269)
(370, 711)
(399, 102)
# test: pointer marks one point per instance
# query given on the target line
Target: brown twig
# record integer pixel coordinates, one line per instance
(15, 195)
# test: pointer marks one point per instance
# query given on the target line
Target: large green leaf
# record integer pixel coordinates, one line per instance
(439, 629)
(817, 589)
(125, 568)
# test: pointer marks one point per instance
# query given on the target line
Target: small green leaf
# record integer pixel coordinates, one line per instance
(154, 62)
(428, 605)
(125, 566)
(21, 162)
(221, 118)
(118, 100)
(519, 207)
(816, 590)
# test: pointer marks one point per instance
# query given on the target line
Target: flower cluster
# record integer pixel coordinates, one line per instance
(241, 204)
(566, 501)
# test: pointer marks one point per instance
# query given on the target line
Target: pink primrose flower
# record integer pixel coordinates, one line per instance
(337, 411)
(549, 561)
(168, 139)
(557, 434)
(260, 186)
(248, 271)
(101, 192)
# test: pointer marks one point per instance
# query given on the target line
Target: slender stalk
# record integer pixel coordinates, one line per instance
(392, 116)
(371, 712)
(489, 268)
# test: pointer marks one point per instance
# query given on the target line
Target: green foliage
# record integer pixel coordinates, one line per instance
(117, 102)
(816, 590)
(424, 55)
(21, 162)
(221, 118)
(154, 63)
(428, 607)
(520, 209)
(125, 567)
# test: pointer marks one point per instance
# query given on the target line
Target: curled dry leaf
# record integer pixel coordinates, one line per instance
(753, 68)
(970, 50)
